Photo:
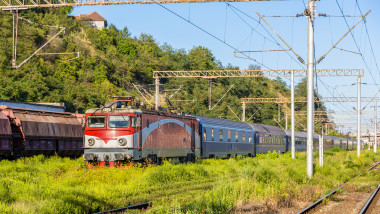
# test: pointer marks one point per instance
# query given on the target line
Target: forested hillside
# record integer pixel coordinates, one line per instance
(111, 60)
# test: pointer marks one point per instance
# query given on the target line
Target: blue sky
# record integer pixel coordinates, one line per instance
(244, 33)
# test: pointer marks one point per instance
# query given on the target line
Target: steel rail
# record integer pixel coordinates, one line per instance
(370, 200)
(307, 209)
(137, 206)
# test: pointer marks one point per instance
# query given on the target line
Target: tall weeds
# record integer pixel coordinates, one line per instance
(61, 185)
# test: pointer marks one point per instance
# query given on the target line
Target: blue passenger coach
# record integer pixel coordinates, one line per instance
(222, 138)
(269, 138)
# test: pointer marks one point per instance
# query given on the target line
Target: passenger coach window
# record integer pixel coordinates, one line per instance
(220, 135)
(236, 134)
(96, 121)
(212, 132)
(204, 134)
(243, 136)
(118, 121)
(250, 138)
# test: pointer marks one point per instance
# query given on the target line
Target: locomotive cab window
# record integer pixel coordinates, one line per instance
(118, 121)
(96, 121)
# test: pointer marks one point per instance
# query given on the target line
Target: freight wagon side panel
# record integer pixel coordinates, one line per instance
(5, 135)
(48, 134)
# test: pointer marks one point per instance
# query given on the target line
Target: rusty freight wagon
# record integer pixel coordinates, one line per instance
(26, 132)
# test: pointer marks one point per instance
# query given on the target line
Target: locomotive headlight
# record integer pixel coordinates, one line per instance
(107, 109)
(91, 142)
(122, 141)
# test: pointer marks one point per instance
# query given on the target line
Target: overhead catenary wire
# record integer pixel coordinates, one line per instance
(225, 24)
(356, 44)
(291, 43)
(318, 79)
(332, 94)
(276, 42)
(210, 34)
(369, 39)
(233, 8)
(304, 4)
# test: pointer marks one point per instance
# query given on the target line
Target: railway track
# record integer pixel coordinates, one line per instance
(354, 201)
(373, 203)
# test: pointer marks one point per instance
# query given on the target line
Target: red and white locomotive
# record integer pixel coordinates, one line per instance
(122, 132)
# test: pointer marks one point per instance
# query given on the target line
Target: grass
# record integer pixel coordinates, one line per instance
(61, 185)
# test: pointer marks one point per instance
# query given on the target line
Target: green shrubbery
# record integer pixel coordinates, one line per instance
(61, 185)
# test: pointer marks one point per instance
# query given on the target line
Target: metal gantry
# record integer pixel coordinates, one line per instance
(210, 74)
(29, 4)
(321, 113)
(304, 99)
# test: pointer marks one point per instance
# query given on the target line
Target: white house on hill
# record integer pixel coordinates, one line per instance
(94, 20)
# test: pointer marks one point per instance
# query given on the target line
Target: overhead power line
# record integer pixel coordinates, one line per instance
(369, 39)
(357, 46)
(210, 34)
(273, 38)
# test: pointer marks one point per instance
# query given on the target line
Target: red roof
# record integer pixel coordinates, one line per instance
(93, 16)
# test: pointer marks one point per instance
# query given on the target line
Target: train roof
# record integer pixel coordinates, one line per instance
(222, 123)
(122, 110)
(54, 107)
(267, 129)
(329, 137)
(300, 134)
(296, 133)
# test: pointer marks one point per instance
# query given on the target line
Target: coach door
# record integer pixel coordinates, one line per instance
(139, 129)
(192, 136)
